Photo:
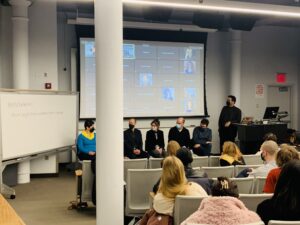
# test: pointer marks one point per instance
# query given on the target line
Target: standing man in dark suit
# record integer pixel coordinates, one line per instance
(180, 134)
(133, 143)
(230, 114)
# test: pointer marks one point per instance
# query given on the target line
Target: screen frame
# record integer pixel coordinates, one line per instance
(151, 35)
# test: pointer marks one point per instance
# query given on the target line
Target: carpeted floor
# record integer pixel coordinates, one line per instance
(45, 201)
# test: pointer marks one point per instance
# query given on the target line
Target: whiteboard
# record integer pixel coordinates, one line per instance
(32, 123)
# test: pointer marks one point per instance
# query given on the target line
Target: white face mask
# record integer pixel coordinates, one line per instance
(178, 126)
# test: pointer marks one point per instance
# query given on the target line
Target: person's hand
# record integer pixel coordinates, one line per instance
(208, 142)
(227, 124)
(92, 153)
(249, 171)
(137, 151)
(159, 150)
(197, 146)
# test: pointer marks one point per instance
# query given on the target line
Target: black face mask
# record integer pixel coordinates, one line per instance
(227, 103)
(131, 126)
(262, 157)
(92, 129)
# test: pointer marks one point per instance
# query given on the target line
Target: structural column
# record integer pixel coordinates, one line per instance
(20, 62)
(109, 111)
(235, 64)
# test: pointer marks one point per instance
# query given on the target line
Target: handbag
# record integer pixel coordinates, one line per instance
(151, 217)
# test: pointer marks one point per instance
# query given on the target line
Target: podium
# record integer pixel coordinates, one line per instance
(251, 136)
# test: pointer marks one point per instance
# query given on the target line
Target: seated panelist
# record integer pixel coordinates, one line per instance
(86, 142)
(179, 133)
(202, 139)
(155, 142)
(133, 143)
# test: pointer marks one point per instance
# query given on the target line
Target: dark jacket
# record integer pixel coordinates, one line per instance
(132, 140)
(182, 137)
(267, 211)
(152, 139)
(201, 136)
(232, 114)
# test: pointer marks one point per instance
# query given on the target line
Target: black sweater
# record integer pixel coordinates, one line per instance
(182, 137)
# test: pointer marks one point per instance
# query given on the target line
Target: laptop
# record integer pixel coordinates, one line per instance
(271, 113)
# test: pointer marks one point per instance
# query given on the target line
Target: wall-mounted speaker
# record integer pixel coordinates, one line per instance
(208, 20)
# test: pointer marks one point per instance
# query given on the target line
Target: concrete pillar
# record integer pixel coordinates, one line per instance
(235, 65)
(109, 111)
(20, 52)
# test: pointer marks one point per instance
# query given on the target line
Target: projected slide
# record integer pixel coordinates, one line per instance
(161, 79)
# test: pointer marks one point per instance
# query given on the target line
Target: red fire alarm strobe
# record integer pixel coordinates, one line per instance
(281, 78)
(47, 85)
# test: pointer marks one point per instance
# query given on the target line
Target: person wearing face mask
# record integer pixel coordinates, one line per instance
(155, 142)
(202, 139)
(230, 114)
(86, 142)
(268, 151)
(180, 134)
(133, 143)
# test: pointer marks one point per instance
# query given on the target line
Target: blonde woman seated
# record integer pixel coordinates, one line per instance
(173, 182)
(224, 208)
(231, 155)
(172, 148)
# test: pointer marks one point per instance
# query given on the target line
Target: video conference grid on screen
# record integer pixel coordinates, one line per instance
(159, 78)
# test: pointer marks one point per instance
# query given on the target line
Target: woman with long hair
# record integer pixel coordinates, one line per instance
(231, 155)
(173, 182)
(285, 203)
(172, 148)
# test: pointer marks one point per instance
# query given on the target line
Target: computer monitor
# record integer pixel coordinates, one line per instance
(271, 113)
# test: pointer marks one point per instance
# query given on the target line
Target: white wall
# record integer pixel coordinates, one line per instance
(6, 80)
(66, 37)
(43, 44)
(266, 51)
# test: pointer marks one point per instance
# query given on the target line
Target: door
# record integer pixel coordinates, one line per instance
(281, 96)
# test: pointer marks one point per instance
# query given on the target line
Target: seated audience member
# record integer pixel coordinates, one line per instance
(224, 208)
(173, 182)
(284, 155)
(268, 153)
(155, 143)
(86, 142)
(231, 155)
(285, 203)
(185, 156)
(180, 134)
(172, 148)
(290, 137)
(202, 139)
(270, 137)
(133, 144)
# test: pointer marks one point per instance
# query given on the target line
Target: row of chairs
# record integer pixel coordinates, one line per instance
(212, 172)
(140, 183)
(137, 202)
(199, 161)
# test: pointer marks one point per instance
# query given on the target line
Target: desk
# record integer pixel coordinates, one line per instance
(251, 136)
(8, 215)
